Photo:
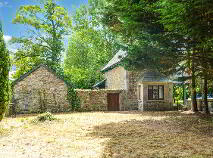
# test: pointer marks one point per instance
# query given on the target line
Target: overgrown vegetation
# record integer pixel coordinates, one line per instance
(73, 99)
(3, 131)
(47, 116)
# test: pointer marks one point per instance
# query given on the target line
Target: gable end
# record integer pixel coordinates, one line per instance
(22, 77)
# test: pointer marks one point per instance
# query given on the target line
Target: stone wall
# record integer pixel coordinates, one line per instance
(116, 78)
(41, 90)
(96, 100)
(132, 91)
(157, 106)
(120, 79)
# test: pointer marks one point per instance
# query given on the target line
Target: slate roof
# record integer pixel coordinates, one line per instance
(100, 84)
(22, 77)
(119, 56)
(153, 76)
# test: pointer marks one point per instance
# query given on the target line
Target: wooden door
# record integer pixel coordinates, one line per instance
(113, 101)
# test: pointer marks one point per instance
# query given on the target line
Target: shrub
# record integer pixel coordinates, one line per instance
(47, 116)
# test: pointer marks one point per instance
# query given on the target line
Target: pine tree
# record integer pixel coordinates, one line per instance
(169, 33)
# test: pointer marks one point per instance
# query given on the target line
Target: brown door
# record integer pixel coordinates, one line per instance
(113, 101)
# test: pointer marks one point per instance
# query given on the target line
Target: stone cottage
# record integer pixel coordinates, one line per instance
(39, 90)
(145, 90)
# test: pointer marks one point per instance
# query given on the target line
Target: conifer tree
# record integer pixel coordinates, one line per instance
(4, 75)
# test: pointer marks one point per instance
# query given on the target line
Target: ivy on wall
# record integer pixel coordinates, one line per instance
(73, 99)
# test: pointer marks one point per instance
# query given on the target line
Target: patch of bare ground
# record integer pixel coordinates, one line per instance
(109, 134)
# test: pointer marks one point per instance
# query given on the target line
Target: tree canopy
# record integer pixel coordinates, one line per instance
(174, 35)
(90, 47)
(48, 24)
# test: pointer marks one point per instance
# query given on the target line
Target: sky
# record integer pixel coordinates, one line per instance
(8, 10)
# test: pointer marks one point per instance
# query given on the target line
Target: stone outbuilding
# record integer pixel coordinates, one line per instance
(146, 90)
(40, 90)
(155, 92)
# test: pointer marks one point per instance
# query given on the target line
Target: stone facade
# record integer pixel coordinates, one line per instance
(159, 105)
(118, 77)
(96, 100)
(121, 79)
(132, 90)
(40, 90)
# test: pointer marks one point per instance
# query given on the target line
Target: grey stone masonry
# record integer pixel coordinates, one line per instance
(96, 100)
(41, 90)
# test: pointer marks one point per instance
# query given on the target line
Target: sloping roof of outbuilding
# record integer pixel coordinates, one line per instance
(153, 76)
(100, 84)
(22, 77)
(119, 56)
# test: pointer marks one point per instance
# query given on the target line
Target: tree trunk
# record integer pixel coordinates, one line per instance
(193, 90)
(205, 93)
(184, 94)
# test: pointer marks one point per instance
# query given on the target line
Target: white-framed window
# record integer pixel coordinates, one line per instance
(155, 92)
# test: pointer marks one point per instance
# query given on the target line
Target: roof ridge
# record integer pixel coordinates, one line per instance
(22, 77)
(116, 60)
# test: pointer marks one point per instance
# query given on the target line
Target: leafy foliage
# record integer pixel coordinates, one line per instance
(73, 99)
(178, 92)
(175, 35)
(4, 76)
(47, 116)
(27, 57)
(90, 47)
(48, 23)
(137, 25)
(192, 20)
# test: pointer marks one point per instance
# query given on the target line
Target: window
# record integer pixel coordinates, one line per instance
(155, 92)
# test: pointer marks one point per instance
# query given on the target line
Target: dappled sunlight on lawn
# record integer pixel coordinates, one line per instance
(174, 136)
(109, 134)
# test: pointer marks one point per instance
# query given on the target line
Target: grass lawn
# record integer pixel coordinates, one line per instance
(116, 134)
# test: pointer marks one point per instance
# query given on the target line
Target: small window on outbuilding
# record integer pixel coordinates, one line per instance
(156, 92)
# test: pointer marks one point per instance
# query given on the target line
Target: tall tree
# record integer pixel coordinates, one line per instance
(48, 24)
(28, 55)
(170, 33)
(90, 48)
(137, 24)
(4, 75)
(193, 21)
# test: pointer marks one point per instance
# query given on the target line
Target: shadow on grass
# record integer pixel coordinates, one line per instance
(161, 113)
(174, 136)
